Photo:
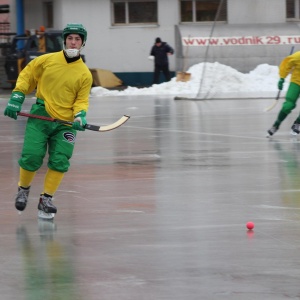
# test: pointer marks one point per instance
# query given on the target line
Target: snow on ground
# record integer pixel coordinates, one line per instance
(211, 80)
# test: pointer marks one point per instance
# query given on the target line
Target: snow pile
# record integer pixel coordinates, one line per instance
(211, 80)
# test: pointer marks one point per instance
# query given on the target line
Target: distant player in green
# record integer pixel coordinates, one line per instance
(290, 64)
(62, 82)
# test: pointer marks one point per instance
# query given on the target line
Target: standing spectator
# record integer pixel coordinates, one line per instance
(160, 51)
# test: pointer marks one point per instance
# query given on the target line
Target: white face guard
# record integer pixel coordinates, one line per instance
(72, 52)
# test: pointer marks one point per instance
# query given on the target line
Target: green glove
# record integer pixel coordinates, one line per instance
(79, 121)
(14, 105)
(280, 83)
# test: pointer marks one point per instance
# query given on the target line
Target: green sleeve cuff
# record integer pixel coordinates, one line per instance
(80, 114)
(18, 97)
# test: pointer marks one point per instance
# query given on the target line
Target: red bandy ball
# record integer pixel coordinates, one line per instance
(250, 225)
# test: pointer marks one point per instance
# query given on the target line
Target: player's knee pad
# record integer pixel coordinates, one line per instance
(288, 106)
(59, 162)
(31, 162)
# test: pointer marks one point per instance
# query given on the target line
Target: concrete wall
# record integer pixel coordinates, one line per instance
(119, 49)
(256, 11)
(34, 17)
(247, 53)
(125, 49)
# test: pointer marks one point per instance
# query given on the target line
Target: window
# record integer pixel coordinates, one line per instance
(202, 10)
(293, 9)
(132, 12)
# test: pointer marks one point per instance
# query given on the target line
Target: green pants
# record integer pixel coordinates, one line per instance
(41, 135)
(289, 104)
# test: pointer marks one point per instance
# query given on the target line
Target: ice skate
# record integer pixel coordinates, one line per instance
(272, 130)
(46, 209)
(295, 130)
(21, 198)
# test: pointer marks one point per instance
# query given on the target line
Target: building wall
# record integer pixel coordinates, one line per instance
(119, 49)
(4, 17)
(242, 47)
(122, 50)
(125, 50)
(256, 11)
(257, 28)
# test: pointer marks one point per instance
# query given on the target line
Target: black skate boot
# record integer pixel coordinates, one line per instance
(46, 209)
(272, 130)
(295, 129)
(22, 198)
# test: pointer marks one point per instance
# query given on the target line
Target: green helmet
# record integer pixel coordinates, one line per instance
(74, 28)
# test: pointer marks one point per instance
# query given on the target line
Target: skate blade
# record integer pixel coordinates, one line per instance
(292, 132)
(45, 216)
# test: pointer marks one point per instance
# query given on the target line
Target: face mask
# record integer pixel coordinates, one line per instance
(72, 52)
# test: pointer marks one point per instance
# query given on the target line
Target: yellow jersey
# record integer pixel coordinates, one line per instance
(291, 64)
(64, 87)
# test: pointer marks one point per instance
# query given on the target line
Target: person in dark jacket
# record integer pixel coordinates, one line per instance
(160, 51)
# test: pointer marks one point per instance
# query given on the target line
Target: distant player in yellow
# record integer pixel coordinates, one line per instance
(62, 82)
(290, 64)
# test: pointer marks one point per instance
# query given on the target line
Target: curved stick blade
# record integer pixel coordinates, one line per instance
(115, 125)
(274, 103)
(272, 106)
(109, 127)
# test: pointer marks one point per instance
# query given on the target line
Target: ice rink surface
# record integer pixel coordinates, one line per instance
(157, 209)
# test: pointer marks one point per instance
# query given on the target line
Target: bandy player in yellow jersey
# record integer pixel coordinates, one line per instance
(289, 65)
(62, 82)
